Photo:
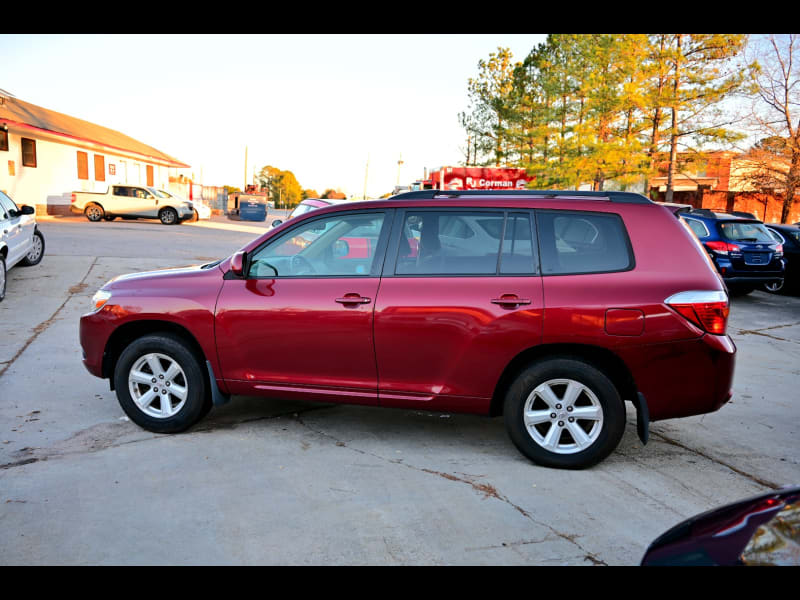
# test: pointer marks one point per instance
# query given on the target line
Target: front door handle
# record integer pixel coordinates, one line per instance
(353, 299)
(510, 300)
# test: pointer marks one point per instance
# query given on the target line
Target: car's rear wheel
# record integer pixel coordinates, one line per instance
(774, 287)
(168, 216)
(161, 384)
(34, 256)
(94, 212)
(564, 413)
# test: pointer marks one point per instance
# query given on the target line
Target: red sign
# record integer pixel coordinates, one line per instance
(482, 178)
(112, 169)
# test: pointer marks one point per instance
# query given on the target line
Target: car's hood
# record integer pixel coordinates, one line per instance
(135, 279)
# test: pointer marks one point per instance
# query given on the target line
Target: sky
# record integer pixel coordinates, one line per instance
(336, 110)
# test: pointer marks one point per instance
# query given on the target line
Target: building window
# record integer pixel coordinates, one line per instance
(83, 165)
(28, 152)
(99, 168)
(150, 175)
(4, 139)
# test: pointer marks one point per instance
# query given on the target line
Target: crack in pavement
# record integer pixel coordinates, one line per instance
(75, 289)
(758, 480)
(486, 489)
(104, 435)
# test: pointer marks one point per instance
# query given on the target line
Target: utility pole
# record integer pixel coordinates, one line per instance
(366, 172)
(245, 169)
(399, 163)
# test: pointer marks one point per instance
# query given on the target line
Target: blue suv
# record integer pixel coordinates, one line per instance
(741, 248)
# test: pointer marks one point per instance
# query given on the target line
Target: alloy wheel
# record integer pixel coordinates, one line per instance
(563, 416)
(158, 385)
(36, 250)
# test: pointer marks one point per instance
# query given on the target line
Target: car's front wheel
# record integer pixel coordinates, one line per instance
(34, 256)
(161, 384)
(564, 413)
(168, 216)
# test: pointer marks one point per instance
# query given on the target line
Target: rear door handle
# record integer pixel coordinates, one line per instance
(510, 300)
(353, 299)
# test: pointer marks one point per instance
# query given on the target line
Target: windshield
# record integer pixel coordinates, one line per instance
(744, 231)
(158, 193)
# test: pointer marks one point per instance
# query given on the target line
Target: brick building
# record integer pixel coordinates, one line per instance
(722, 181)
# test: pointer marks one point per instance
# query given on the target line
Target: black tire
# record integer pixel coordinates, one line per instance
(602, 436)
(197, 400)
(775, 288)
(3, 274)
(94, 212)
(109, 217)
(34, 257)
(168, 216)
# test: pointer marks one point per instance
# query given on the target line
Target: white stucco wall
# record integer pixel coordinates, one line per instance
(55, 176)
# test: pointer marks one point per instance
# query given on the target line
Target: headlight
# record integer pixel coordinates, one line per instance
(99, 299)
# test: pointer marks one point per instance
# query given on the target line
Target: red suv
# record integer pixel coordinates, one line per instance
(551, 308)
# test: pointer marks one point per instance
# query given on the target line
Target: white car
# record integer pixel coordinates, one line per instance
(201, 210)
(21, 242)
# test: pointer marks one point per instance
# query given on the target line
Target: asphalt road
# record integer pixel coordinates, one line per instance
(268, 482)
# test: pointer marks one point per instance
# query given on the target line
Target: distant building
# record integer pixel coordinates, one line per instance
(724, 181)
(46, 155)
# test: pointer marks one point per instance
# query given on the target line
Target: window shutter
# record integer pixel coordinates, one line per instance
(150, 175)
(99, 168)
(83, 165)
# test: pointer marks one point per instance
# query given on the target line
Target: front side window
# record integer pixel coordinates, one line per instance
(337, 245)
(6, 205)
(28, 152)
(582, 242)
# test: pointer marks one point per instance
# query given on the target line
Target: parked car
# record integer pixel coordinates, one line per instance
(131, 201)
(741, 248)
(554, 335)
(21, 241)
(760, 531)
(308, 205)
(789, 237)
(201, 210)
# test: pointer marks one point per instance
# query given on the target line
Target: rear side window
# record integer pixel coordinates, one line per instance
(574, 242)
(466, 243)
(697, 227)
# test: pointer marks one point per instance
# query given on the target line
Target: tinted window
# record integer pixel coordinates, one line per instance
(6, 204)
(337, 245)
(426, 248)
(745, 232)
(582, 242)
(697, 228)
(121, 191)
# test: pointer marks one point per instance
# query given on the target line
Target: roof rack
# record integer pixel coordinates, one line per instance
(625, 197)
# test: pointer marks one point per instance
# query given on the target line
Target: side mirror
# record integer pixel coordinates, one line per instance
(237, 263)
(26, 210)
(276, 222)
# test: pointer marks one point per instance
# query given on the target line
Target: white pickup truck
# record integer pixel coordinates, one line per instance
(132, 201)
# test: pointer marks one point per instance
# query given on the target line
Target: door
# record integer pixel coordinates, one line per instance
(12, 230)
(451, 316)
(145, 204)
(299, 323)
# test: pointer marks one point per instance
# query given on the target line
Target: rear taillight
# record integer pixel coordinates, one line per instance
(706, 309)
(723, 247)
(73, 198)
(779, 251)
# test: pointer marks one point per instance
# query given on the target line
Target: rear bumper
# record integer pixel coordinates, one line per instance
(685, 378)
(754, 279)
